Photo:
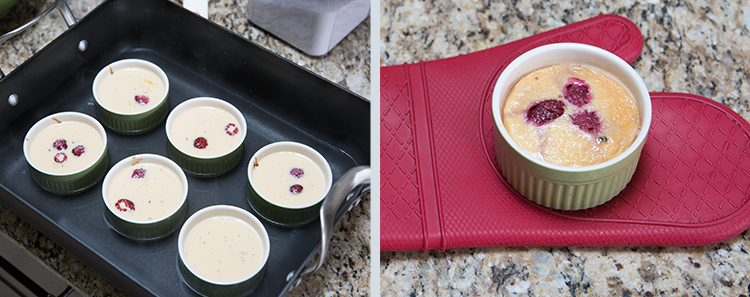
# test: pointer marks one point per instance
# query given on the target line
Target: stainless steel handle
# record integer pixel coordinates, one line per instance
(340, 200)
(345, 193)
(61, 5)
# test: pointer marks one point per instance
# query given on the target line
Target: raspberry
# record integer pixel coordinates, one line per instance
(60, 144)
(79, 150)
(545, 111)
(200, 143)
(297, 172)
(577, 92)
(141, 99)
(124, 205)
(138, 173)
(61, 157)
(587, 121)
(231, 129)
(296, 189)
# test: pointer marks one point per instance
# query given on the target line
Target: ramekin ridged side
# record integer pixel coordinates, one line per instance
(563, 194)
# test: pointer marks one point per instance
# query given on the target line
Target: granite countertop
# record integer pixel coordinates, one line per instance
(698, 47)
(346, 271)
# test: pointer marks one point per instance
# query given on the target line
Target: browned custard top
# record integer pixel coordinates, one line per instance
(571, 115)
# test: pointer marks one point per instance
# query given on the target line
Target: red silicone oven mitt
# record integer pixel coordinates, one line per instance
(441, 188)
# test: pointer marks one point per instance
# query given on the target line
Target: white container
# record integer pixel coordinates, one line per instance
(312, 26)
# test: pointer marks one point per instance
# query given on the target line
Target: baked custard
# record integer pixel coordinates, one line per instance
(571, 115)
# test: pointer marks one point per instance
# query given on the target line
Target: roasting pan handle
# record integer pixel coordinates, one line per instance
(345, 193)
(61, 5)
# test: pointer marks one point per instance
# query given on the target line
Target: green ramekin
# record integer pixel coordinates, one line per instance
(131, 123)
(73, 182)
(206, 166)
(564, 187)
(205, 286)
(145, 230)
(287, 215)
(5, 6)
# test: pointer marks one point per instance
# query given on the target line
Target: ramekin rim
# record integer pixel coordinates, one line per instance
(326, 172)
(632, 74)
(147, 157)
(160, 72)
(65, 114)
(189, 225)
(192, 101)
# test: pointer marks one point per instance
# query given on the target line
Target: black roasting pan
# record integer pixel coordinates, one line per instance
(280, 101)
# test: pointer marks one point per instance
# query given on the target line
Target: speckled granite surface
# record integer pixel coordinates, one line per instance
(347, 270)
(699, 47)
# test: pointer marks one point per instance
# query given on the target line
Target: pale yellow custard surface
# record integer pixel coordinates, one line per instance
(42, 152)
(118, 89)
(207, 122)
(272, 177)
(154, 196)
(223, 248)
(560, 141)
